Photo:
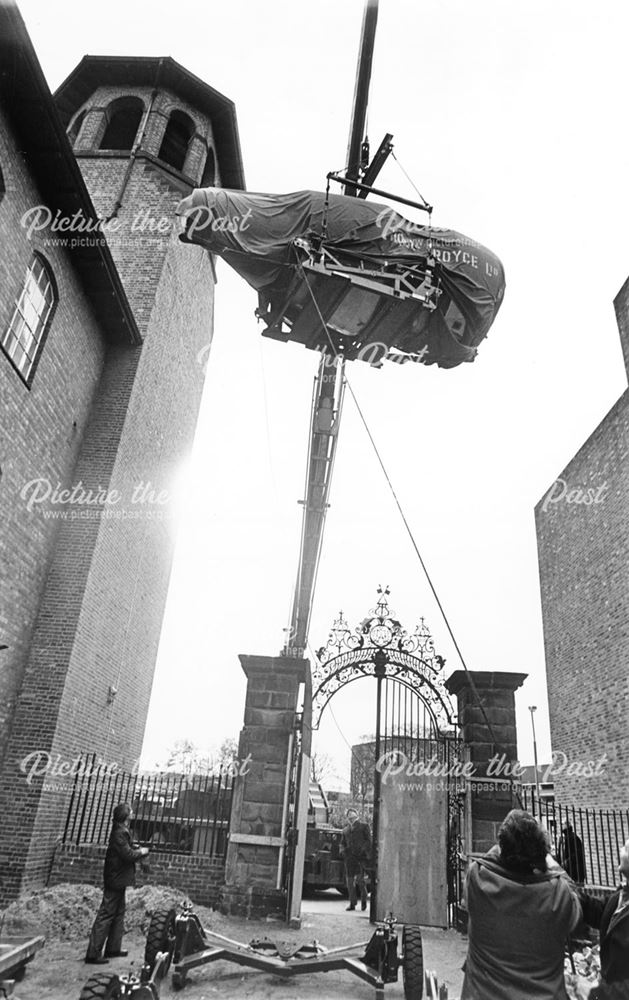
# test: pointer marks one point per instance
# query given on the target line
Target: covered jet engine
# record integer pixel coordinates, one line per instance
(344, 275)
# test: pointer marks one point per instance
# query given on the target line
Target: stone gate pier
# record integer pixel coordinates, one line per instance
(254, 883)
(493, 753)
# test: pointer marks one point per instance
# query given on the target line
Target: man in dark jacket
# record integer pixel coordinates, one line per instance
(356, 849)
(611, 917)
(119, 872)
(570, 855)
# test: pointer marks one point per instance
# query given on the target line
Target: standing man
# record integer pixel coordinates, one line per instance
(356, 849)
(611, 917)
(119, 873)
(570, 855)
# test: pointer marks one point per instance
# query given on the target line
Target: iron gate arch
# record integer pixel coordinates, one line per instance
(380, 647)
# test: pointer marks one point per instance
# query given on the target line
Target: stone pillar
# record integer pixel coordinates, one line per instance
(257, 837)
(491, 792)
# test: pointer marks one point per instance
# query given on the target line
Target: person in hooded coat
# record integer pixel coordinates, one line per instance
(521, 908)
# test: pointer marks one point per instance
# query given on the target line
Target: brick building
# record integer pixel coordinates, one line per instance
(100, 385)
(583, 545)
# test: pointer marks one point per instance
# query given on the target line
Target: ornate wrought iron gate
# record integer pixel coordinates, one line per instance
(416, 747)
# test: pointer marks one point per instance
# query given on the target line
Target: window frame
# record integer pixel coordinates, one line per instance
(177, 118)
(116, 107)
(21, 308)
(76, 125)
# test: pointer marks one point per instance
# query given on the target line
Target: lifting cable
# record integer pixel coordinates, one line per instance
(420, 195)
(473, 688)
(412, 183)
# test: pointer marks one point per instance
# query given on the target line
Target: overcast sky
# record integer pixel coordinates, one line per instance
(510, 117)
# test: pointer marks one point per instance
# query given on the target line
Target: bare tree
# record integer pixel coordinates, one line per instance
(227, 752)
(322, 767)
(184, 757)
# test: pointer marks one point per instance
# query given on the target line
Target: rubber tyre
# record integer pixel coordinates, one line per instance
(160, 937)
(102, 986)
(413, 962)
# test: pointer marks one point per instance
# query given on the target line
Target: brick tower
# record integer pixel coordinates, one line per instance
(582, 525)
(144, 132)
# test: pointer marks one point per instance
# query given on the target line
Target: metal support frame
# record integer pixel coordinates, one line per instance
(381, 156)
(358, 186)
(194, 946)
(402, 280)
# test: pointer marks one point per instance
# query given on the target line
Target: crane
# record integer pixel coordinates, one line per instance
(351, 280)
(325, 419)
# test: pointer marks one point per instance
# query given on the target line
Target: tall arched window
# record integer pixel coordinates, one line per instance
(123, 120)
(24, 337)
(75, 127)
(177, 136)
(209, 171)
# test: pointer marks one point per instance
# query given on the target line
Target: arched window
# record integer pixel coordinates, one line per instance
(24, 337)
(209, 171)
(123, 120)
(177, 136)
(75, 127)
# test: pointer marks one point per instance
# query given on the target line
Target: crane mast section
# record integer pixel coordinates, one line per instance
(327, 403)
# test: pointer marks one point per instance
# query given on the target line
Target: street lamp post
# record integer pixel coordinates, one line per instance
(532, 709)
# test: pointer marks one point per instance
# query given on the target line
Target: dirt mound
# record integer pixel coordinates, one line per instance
(66, 912)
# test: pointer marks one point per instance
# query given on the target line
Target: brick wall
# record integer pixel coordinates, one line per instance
(196, 875)
(41, 428)
(583, 563)
(160, 107)
(98, 619)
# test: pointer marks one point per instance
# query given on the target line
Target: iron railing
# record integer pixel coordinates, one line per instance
(602, 833)
(175, 813)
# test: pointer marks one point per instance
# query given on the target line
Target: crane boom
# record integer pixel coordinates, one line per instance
(324, 427)
(327, 402)
(328, 392)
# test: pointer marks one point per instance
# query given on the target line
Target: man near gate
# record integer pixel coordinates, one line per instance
(119, 873)
(356, 849)
(570, 855)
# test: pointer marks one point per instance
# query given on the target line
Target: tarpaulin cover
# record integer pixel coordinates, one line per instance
(255, 233)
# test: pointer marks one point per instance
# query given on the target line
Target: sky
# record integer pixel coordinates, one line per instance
(510, 119)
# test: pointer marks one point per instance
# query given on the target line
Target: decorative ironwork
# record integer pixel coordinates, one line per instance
(380, 642)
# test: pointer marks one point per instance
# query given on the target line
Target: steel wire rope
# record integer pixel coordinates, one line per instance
(409, 531)
(412, 183)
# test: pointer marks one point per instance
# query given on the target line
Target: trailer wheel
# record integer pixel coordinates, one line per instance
(160, 937)
(102, 986)
(413, 962)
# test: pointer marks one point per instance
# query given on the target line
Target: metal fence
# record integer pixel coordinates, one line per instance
(602, 832)
(174, 813)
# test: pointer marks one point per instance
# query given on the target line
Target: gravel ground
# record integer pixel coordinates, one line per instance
(65, 915)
